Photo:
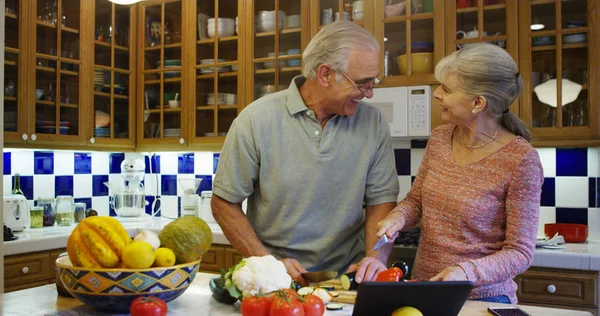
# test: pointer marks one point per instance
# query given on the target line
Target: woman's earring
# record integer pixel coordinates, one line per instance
(473, 111)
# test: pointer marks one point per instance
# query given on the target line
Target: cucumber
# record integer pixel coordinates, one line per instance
(217, 287)
(348, 282)
(327, 287)
(334, 293)
(306, 290)
(334, 306)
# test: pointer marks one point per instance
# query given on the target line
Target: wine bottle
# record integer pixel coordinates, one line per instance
(17, 185)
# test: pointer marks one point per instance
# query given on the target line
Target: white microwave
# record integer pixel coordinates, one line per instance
(406, 109)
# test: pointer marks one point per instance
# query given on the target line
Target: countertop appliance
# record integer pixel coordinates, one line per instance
(16, 212)
(406, 109)
(130, 201)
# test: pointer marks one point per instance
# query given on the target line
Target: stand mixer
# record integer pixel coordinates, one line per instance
(130, 201)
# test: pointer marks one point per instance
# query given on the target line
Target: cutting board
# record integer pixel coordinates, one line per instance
(346, 297)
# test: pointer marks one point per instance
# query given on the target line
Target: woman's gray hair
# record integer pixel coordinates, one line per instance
(489, 71)
(332, 46)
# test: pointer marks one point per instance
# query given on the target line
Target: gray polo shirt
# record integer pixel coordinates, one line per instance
(306, 185)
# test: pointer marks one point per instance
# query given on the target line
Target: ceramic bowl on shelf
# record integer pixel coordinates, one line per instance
(422, 63)
(292, 21)
(173, 104)
(113, 290)
(395, 9)
(575, 38)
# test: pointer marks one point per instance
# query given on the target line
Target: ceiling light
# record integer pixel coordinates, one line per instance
(537, 27)
(125, 2)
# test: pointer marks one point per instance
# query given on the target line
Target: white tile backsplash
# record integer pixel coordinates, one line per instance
(203, 163)
(547, 215)
(64, 163)
(81, 185)
(548, 160)
(572, 192)
(43, 184)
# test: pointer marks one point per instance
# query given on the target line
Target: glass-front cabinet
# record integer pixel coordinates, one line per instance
(559, 43)
(277, 33)
(55, 69)
(218, 69)
(161, 72)
(483, 21)
(411, 36)
(112, 117)
(15, 76)
(323, 12)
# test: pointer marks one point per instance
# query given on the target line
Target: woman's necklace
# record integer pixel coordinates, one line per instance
(479, 146)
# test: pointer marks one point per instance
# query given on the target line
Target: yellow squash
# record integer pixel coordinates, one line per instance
(97, 242)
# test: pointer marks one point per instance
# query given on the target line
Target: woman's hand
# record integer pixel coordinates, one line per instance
(453, 273)
(391, 225)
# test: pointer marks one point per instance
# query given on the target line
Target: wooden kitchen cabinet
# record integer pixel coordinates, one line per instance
(29, 270)
(217, 90)
(15, 71)
(56, 70)
(559, 52)
(411, 37)
(559, 288)
(274, 47)
(164, 63)
(112, 118)
(220, 257)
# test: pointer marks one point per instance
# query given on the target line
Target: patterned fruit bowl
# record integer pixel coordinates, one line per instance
(113, 290)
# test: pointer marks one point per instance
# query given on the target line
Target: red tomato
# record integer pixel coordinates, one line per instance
(256, 306)
(148, 306)
(286, 306)
(392, 274)
(313, 305)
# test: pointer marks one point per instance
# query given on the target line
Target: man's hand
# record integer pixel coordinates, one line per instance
(453, 273)
(391, 225)
(367, 269)
(294, 268)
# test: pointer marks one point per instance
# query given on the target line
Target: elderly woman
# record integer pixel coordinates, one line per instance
(477, 192)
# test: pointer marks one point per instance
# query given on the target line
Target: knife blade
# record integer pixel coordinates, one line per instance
(382, 241)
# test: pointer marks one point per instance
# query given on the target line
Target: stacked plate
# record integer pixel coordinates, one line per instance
(210, 70)
(222, 99)
(172, 132)
(102, 132)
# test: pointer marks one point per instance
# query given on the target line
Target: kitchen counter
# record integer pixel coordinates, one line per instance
(40, 239)
(196, 300)
(584, 256)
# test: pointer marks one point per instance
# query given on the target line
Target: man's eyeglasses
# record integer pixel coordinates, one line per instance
(363, 87)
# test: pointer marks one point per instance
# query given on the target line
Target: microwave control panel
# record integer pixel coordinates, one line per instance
(419, 110)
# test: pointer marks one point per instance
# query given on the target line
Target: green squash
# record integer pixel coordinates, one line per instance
(189, 237)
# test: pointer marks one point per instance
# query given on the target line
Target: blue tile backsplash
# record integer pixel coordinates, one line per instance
(570, 192)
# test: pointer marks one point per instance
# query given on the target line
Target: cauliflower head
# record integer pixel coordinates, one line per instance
(256, 275)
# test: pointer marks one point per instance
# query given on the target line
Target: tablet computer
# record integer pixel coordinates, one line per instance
(435, 298)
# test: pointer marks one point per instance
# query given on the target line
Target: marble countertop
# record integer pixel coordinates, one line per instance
(40, 239)
(196, 300)
(582, 256)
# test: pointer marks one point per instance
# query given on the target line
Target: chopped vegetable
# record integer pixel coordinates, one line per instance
(334, 306)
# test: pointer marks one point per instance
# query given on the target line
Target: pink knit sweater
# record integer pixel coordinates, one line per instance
(482, 216)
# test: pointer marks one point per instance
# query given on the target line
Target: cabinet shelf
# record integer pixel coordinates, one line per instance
(100, 43)
(228, 38)
(46, 69)
(46, 24)
(576, 45)
(70, 30)
(228, 107)
(107, 95)
(413, 17)
(10, 15)
(228, 74)
(206, 41)
(70, 61)
(164, 109)
(178, 79)
(69, 72)
(10, 98)
(264, 34)
(538, 2)
(69, 105)
(205, 76)
(12, 50)
(205, 107)
(122, 48)
(46, 56)
(52, 103)
(292, 30)
(501, 6)
(10, 63)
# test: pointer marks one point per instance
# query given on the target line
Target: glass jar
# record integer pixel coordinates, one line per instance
(79, 212)
(64, 210)
(36, 216)
(48, 204)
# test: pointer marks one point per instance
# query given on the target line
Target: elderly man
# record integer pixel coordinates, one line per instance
(307, 158)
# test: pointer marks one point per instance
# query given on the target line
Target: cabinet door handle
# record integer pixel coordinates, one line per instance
(551, 288)
(33, 137)
(24, 136)
(92, 140)
(25, 270)
(181, 141)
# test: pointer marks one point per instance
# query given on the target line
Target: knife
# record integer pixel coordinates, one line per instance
(319, 276)
(382, 241)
